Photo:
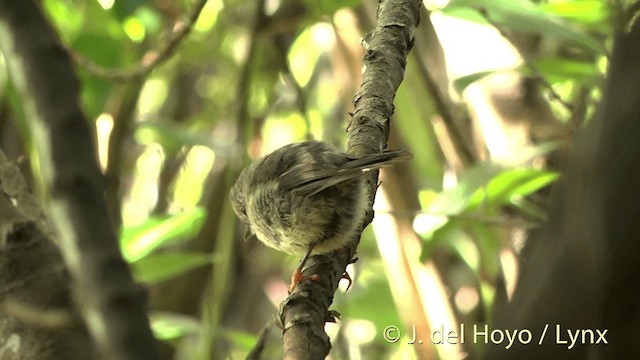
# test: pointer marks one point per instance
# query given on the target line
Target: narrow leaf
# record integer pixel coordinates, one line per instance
(159, 267)
(141, 240)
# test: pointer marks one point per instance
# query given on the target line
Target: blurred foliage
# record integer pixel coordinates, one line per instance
(139, 241)
(524, 15)
(244, 84)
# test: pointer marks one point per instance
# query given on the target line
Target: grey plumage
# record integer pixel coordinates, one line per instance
(306, 196)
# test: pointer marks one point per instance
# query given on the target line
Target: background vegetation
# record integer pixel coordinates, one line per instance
(182, 95)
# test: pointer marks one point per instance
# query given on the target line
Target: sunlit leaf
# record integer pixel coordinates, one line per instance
(557, 70)
(584, 11)
(488, 244)
(284, 128)
(209, 15)
(486, 184)
(139, 241)
(518, 182)
(465, 247)
(190, 183)
(134, 29)
(453, 201)
(240, 339)
(168, 325)
(155, 268)
(456, 200)
(523, 15)
(306, 50)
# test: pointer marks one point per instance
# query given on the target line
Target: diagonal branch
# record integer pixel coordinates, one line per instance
(152, 58)
(41, 70)
(304, 313)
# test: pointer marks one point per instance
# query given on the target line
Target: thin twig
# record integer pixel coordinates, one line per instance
(123, 114)
(151, 59)
(463, 148)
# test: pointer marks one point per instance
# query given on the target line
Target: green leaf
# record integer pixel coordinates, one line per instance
(486, 183)
(529, 208)
(139, 241)
(518, 182)
(584, 11)
(159, 267)
(556, 70)
(489, 244)
(456, 200)
(522, 15)
(463, 244)
(168, 325)
(303, 56)
(463, 82)
(240, 339)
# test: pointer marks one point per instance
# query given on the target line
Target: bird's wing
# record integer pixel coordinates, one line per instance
(310, 179)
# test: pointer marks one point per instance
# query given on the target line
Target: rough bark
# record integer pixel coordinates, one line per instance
(304, 313)
(37, 317)
(109, 301)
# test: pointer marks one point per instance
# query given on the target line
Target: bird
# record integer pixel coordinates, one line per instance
(306, 198)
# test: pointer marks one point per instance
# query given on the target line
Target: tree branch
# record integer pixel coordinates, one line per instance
(304, 313)
(152, 58)
(41, 70)
(37, 317)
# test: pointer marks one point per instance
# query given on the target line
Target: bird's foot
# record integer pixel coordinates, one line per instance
(297, 278)
(346, 276)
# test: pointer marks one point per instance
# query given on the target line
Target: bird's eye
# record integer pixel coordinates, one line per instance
(241, 211)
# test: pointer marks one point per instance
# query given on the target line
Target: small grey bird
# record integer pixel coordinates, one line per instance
(306, 198)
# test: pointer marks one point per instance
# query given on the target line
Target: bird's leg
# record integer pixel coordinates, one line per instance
(297, 276)
(346, 275)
